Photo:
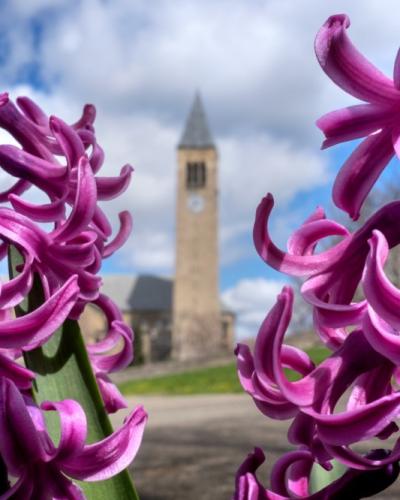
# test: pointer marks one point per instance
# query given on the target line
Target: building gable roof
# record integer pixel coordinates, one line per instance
(139, 293)
(142, 293)
(151, 293)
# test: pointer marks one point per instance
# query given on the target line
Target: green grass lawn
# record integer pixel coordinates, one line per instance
(214, 380)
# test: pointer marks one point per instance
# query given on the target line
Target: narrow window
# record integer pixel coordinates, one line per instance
(195, 175)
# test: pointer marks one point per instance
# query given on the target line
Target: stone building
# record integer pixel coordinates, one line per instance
(181, 318)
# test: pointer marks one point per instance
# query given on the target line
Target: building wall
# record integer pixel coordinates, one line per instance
(155, 330)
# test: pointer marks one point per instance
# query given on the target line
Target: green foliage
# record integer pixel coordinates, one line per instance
(214, 380)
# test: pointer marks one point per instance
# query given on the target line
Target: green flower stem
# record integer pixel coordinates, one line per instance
(63, 371)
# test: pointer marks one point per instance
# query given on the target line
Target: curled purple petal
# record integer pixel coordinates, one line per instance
(110, 187)
(27, 133)
(268, 399)
(113, 454)
(113, 399)
(84, 206)
(354, 122)
(20, 443)
(42, 173)
(360, 172)
(19, 375)
(116, 361)
(79, 251)
(247, 486)
(32, 111)
(101, 222)
(73, 427)
(50, 212)
(304, 240)
(122, 235)
(348, 68)
(382, 295)
(15, 290)
(96, 157)
(69, 141)
(296, 265)
(381, 336)
(87, 119)
(359, 461)
(358, 424)
(297, 486)
(34, 328)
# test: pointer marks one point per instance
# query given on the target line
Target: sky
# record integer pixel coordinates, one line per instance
(141, 62)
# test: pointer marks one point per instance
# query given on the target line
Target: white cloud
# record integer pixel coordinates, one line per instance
(242, 58)
(140, 62)
(252, 299)
(150, 147)
(153, 250)
(254, 62)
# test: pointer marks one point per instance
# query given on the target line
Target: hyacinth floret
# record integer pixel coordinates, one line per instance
(62, 243)
(353, 395)
(376, 120)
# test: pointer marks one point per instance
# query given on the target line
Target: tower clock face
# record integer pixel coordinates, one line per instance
(195, 203)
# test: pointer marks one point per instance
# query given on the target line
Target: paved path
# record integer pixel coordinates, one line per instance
(194, 444)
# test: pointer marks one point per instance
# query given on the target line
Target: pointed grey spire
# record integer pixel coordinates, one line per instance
(197, 133)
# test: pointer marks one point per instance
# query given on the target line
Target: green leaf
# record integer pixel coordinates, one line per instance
(63, 371)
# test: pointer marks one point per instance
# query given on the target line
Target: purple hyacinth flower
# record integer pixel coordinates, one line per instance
(63, 162)
(66, 254)
(378, 120)
(43, 470)
(353, 395)
(361, 372)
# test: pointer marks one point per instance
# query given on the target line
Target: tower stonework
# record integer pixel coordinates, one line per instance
(196, 329)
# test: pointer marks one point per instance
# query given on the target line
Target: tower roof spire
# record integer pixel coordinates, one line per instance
(196, 134)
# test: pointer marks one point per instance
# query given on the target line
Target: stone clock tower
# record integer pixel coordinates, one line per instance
(196, 329)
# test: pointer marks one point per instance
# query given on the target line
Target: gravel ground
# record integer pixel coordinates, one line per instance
(194, 444)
